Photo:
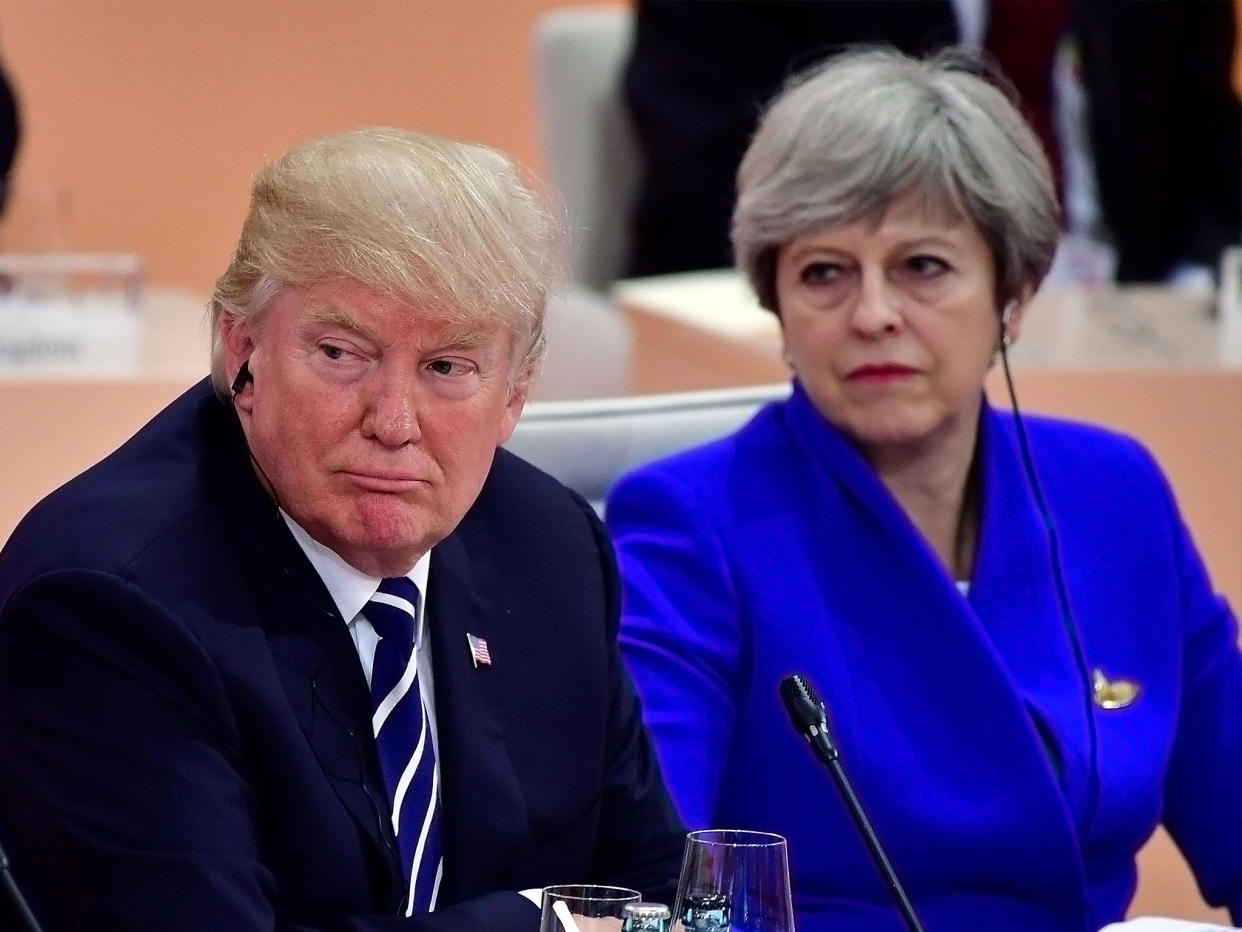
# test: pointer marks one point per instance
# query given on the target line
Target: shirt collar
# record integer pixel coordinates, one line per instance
(350, 588)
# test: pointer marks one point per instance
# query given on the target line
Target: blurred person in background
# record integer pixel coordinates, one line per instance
(10, 136)
(1151, 177)
(1024, 659)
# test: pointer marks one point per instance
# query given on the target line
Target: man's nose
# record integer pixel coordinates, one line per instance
(392, 411)
(877, 309)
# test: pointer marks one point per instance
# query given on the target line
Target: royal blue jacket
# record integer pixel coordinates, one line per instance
(1007, 797)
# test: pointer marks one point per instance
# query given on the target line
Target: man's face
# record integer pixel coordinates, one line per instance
(374, 421)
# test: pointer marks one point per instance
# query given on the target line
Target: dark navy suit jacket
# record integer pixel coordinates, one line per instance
(185, 727)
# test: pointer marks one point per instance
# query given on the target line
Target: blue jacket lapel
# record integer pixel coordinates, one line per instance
(922, 680)
(1014, 593)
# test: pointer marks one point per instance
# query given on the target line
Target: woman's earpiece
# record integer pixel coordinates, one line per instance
(1006, 338)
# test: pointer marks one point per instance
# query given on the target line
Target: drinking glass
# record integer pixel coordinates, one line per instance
(592, 908)
(35, 218)
(733, 879)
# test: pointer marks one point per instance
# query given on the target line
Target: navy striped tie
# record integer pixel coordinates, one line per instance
(403, 736)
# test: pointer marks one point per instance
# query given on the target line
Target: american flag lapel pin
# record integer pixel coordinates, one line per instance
(478, 650)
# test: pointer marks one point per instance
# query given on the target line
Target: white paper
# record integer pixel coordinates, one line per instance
(1158, 924)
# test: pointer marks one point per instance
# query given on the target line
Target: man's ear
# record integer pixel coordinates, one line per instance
(513, 408)
(238, 338)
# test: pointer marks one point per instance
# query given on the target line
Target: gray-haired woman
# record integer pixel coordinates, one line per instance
(1026, 663)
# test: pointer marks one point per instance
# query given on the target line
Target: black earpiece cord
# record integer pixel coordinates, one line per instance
(1067, 614)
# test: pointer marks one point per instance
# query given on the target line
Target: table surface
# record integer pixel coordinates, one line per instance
(1103, 328)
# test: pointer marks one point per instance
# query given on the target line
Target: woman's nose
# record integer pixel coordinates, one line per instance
(877, 309)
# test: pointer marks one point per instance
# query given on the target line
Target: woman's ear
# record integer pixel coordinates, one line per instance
(1012, 314)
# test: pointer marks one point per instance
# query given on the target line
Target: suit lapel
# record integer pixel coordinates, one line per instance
(922, 665)
(1015, 595)
(317, 662)
(484, 811)
(321, 674)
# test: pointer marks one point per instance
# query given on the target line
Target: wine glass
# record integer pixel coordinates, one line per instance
(733, 879)
(589, 907)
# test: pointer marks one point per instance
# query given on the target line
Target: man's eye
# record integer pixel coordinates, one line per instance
(334, 352)
(447, 367)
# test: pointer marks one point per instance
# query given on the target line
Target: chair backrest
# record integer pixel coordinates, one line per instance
(588, 146)
(590, 347)
(589, 444)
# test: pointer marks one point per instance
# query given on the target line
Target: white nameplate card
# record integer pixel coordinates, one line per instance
(69, 315)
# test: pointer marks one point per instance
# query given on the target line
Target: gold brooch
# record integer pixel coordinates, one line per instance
(1113, 694)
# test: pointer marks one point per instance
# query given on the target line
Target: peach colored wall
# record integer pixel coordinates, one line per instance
(154, 113)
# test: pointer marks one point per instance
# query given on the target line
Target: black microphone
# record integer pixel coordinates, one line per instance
(810, 719)
(15, 896)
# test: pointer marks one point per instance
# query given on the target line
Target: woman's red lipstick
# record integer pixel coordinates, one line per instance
(881, 372)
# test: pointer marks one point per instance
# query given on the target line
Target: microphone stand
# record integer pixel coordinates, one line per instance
(873, 842)
(810, 719)
(15, 896)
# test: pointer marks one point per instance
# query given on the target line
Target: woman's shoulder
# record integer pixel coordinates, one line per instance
(1089, 457)
(711, 464)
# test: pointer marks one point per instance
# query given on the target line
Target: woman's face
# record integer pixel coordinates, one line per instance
(891, 326)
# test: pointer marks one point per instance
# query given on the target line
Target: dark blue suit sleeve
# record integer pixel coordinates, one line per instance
(126, 797)
(643, 833)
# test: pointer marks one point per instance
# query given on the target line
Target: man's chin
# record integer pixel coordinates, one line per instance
(387, 549)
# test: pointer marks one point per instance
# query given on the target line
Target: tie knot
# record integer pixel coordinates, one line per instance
(393, 610)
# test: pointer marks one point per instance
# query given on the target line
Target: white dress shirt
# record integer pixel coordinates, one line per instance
(351, 590)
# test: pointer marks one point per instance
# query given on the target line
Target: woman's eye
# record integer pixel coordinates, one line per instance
(816, 273)
(926, 265)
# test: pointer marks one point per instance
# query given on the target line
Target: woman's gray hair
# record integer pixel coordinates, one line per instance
(430, 221)
(848, 136)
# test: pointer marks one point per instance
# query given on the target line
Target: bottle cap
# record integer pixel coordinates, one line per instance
(646, 917)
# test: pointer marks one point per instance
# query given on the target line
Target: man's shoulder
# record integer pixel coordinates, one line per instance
(517, 491)
(123, 505)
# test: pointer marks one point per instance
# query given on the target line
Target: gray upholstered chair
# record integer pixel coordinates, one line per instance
(588, 445)
(589, 151)
(578, 54)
